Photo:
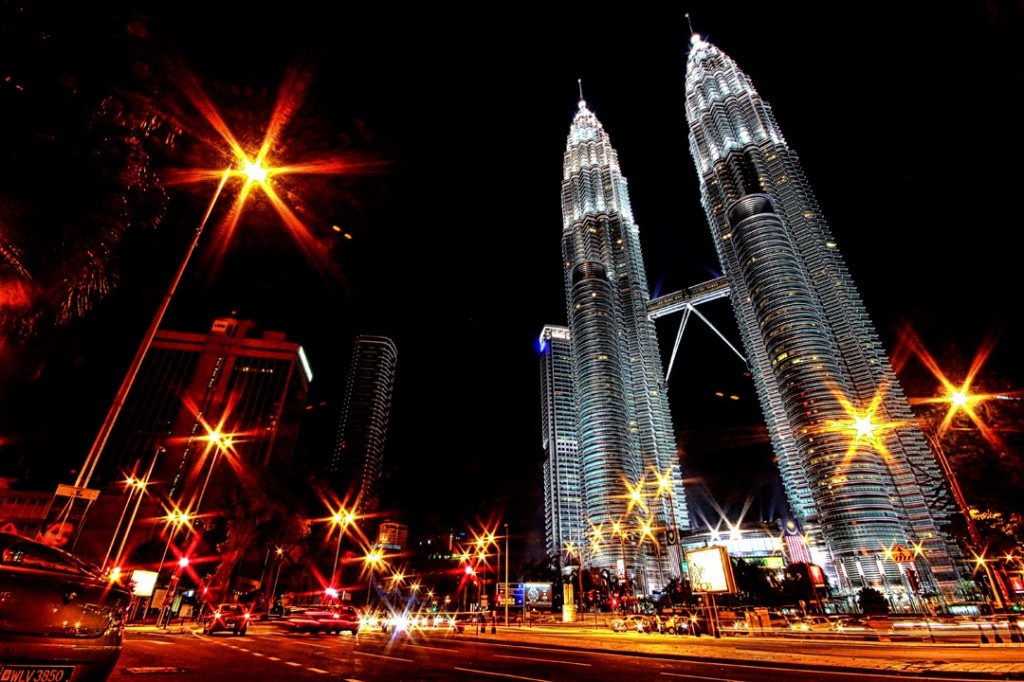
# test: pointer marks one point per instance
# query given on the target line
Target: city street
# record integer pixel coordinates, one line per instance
(543, 653)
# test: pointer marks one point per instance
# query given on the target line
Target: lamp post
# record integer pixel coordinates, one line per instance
(91, 460)
(506, 576)
(221, 441)
(665, 485)
(372, 559)
(131, 485)
(141, 485)
(340, 519)
(618, 530)
(648, 532)
(273, 590)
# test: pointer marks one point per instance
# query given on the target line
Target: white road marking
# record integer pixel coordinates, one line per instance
(543, 660)
(390, 658)
(510, 677)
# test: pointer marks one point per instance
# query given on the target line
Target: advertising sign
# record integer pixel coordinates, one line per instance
(535, 594)
(710, 570)
(143, 582)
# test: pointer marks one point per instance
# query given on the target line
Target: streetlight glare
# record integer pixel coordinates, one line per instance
(255, 172)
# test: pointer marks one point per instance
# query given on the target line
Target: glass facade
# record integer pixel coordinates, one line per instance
(816, 358)
(629, 468)
(563, 493)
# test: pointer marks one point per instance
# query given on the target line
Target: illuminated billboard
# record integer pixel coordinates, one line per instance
(536, 595)
(710, 570)
(143, 582)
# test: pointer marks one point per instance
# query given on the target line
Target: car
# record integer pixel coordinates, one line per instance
(324, 619)
(632, 623)
(811, 624)
(231, 617)
(61, 618)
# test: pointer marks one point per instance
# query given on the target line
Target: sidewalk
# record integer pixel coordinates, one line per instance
(953, 661)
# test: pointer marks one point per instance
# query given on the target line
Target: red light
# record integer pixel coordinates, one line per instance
(469, 570)
(183, 561)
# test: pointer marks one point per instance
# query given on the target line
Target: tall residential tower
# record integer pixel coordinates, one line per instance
(815, 356)
(356, 463)
(633, 499)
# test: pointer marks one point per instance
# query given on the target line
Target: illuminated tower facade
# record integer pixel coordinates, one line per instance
(357, 460)
(817, 361)
(563, 491)
(625, 436)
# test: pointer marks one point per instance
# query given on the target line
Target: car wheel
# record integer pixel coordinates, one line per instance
(242, 631)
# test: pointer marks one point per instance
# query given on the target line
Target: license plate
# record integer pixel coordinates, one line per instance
(36, 673)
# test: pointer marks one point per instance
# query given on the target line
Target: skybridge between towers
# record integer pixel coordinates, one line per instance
(686, 302)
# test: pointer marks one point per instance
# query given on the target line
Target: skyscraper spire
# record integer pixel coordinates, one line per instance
(816, 358)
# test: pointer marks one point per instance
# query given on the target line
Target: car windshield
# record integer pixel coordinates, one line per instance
(231, 608)
(18, 551)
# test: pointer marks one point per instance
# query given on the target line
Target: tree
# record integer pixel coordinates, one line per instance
(872, 601)
(753, 582)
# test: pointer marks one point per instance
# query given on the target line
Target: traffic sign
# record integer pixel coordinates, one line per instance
(902, 555)
(72, 491)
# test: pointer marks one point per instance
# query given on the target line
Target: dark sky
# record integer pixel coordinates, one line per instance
(907, 121)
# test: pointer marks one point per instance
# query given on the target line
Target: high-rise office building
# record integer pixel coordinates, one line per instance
(356, 463)
(633, 499)
(816, 358)
(233, 379)
(564, 523)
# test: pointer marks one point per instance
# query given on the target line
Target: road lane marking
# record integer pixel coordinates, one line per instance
(431, 648)
(389, 658)
(273, 658)
(293, 663)
(317, 670)
(543, 660)
(505, 675)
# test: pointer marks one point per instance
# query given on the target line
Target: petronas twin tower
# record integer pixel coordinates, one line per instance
(816, 359)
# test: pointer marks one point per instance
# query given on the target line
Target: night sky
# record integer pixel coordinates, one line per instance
(907, 122)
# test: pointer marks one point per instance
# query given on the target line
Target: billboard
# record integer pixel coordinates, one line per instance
(710, 570)
(535, 594)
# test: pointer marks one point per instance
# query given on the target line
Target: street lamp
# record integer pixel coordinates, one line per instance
(572, 549)
(273, 590)
(647, 531)
(506, 594)
(340, 519)
(220, 442)
(132, 485)
(618, 530)
(141, 486)
(667, 487)
(92, 459)
(372, 559)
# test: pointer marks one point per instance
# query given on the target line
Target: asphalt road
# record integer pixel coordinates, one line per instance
(541, 653)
